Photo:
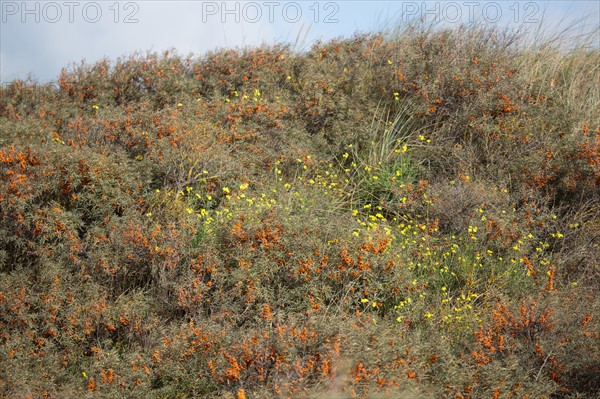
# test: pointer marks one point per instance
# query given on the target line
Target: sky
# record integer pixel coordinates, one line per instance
(39, 38)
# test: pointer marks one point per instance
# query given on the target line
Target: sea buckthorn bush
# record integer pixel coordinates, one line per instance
(396, 214)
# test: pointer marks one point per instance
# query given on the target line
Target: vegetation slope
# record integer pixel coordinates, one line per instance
(384, 215)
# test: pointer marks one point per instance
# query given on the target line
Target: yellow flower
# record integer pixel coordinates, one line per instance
(226, 190)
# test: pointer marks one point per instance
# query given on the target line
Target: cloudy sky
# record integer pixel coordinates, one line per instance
(41, 37)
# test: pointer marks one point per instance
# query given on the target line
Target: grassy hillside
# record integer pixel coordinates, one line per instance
(410, 215)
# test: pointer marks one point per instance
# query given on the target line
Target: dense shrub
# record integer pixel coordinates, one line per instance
(387, 215)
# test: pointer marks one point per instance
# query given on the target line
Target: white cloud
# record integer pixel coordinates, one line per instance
(43, 47)
(197, 26)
